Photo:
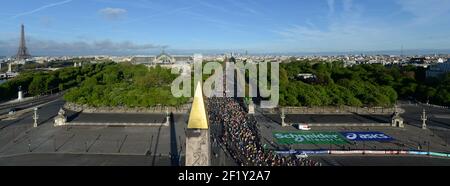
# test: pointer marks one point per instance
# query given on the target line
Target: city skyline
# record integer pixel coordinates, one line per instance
(111, 27)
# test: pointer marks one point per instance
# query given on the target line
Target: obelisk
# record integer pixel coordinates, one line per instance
(197, 133)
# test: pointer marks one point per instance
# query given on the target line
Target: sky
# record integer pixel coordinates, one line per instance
(119, 27)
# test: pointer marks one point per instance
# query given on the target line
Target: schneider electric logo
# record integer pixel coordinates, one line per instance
(309, 138)
(302, 137)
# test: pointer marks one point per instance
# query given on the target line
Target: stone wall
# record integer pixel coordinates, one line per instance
(332, 110)
(158, 109)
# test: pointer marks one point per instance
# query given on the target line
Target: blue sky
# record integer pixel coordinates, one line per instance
(78, 27)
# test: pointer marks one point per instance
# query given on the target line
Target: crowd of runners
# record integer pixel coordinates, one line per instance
(237, 132)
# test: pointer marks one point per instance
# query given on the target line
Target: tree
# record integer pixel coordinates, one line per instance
(37, 86)
(126, 85)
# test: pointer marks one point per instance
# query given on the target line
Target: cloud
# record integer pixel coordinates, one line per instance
(148, 18)
(41, 8)
(350, 29)
(330, 6)
(213, 6)
(244, 6)
(112, 13)
(336, 38)
(348, 5)
(46, 21)
(426, 11)
(106, 47)
(346, 30)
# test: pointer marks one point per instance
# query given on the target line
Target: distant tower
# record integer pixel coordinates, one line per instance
(22, 53)
(401, 52)
(198, 151)
(232, 59)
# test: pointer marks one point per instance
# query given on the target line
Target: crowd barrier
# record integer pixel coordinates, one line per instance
(367, 152)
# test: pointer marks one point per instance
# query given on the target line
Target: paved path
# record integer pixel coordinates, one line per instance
(117, 118)
(60, 159)
(437, 117)
(381, 161)
(331, 119)
(17, 136)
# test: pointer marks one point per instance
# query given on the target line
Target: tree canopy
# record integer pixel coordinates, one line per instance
(359, 85)
(126, 85)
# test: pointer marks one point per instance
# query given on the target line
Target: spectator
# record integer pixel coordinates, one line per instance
(240, 136)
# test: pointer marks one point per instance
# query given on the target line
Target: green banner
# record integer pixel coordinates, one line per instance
(309, 138)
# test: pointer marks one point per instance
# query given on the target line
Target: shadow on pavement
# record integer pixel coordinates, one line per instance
(174, 158)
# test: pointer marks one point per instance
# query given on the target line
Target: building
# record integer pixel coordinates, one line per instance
(307, 78)
(41, 60)
(438, 69)
(417, 60)
(145, 60)
(161, 59)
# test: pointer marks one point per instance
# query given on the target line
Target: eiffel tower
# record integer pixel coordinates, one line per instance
(22, 53)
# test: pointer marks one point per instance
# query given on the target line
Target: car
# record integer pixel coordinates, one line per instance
(12, 111)
(302, 155)
(304, 127)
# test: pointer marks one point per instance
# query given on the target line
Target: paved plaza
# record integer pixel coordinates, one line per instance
(409, 138)
(21, 144)
(64, 159)
(18, 137)
(381, 161)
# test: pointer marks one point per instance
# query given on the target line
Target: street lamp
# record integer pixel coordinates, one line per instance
(446, 140)
(424, 119)
(283, 117)
(19, 94)
(35, 117)
(364, 147)
(29, 145)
